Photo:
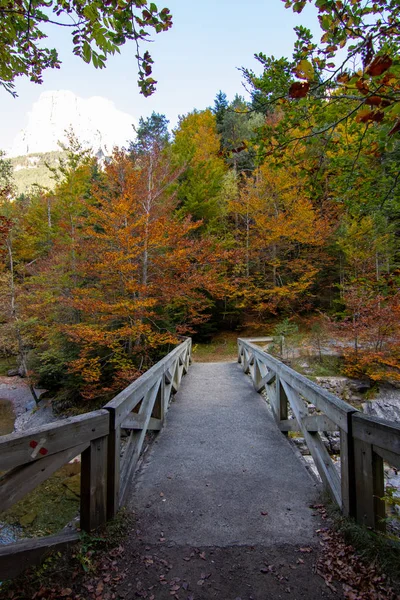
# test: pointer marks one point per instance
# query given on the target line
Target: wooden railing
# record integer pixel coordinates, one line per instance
(148, 396)
(365, 442)
(30, 458)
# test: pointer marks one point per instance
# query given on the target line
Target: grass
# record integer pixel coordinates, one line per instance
(328, 366)
(89, 556)
(7, 363)
(48, 508)
(223, 348)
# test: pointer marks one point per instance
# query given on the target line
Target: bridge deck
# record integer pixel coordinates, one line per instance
(219, 465)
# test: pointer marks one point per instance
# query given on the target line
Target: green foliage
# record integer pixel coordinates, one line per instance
(98, 30)
(220, 107)
(237, 127)
(284, 337)
(151, 135)
(32, 172)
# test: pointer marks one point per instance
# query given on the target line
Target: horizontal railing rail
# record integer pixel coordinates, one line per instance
(28, 459)
(365, 442)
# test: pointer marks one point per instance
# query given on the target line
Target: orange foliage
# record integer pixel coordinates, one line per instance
(282, 237)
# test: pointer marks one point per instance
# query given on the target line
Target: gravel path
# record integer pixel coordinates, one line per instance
(222, 503)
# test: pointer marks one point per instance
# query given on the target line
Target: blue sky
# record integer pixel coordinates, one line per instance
(200, 55)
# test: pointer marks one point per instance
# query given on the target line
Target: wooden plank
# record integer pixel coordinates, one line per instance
(335, 408)
(325, 466)
(136, 421)
(271, 393)
(389, 457)
(175, 378)
(298, 405)
(320, 454)
(132, 453)
(113, 466)
(370, 486)
(158, 414)
(178, 376)
(246, 358)
(270, 378)
(240, 351)
(260, 340)
(35, 444)
(167, 392)
(15, 484)
(311, 423)
(94, 485)
(381, 433)
(16, 557)
(186, 361)
(264, 381)
(125, 400)
(347, 472)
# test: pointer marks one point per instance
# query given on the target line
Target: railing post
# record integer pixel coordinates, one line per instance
(113, 465)
(347, 469)
(370, 486)
(94, 484)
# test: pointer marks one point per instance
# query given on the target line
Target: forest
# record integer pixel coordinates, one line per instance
(281, 208)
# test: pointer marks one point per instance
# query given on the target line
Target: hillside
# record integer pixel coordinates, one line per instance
(32, 170)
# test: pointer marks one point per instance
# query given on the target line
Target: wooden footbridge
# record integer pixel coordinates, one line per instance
(108, 463)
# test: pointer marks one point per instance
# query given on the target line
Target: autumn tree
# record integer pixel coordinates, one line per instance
(282, 238)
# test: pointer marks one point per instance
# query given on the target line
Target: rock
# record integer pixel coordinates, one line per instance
(384, 409)
(13, 372)
(333, 443)
(359, 386)
(73, 484)
(56, 111)
(301, 445)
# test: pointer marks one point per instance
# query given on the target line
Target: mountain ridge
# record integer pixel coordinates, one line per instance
(95, 121)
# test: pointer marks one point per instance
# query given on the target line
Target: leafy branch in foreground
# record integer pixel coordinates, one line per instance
(98, 30)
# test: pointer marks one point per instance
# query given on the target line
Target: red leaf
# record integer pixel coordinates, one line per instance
(299, 89)
(379, 65)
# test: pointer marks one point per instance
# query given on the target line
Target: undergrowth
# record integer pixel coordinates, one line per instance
(74, 567)
(373, 548)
